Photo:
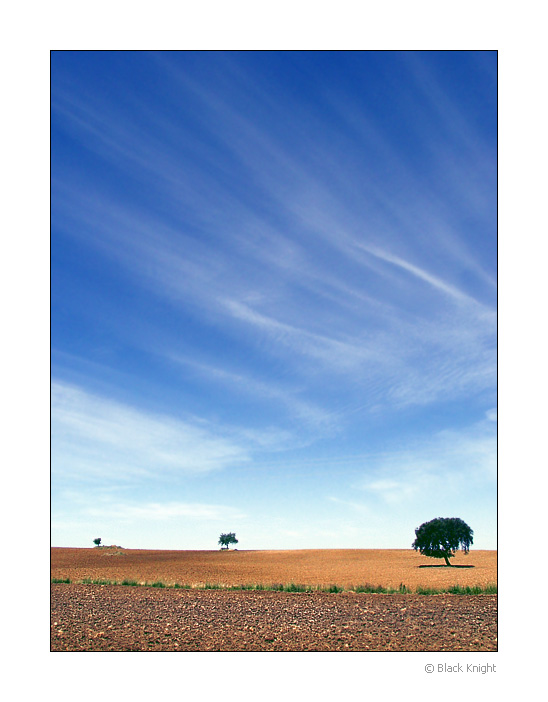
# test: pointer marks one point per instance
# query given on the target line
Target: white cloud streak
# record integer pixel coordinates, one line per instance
(162, 511)
(98, 438)
(419, 273)
(246, 383)
(450, 464)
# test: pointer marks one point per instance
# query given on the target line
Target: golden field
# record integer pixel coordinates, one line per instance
(313, 567)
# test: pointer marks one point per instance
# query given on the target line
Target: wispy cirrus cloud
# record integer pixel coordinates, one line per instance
(451, 463)
(348, 318)
(345, 326)
(96, 438)
(243, 382)
(420, 273)
(166, 511)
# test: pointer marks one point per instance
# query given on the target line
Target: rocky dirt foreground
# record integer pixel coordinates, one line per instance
(119, 618)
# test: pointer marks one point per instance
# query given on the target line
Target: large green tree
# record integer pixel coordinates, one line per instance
(226, 539)
(441, 537)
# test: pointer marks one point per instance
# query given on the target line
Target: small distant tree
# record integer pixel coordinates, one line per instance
(441, 537)
(226, 539)
(97, 542)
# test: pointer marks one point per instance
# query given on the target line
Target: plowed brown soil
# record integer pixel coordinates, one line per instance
(114, 618)
(342, 567)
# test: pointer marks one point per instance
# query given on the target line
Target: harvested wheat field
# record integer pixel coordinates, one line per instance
(189, 617)
(322, 567)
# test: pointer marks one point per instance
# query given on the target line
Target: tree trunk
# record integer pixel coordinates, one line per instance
(447, 560)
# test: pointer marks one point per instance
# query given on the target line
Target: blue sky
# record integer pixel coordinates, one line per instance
(273, 297)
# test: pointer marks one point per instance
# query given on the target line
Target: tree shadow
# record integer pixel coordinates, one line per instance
(446, 566)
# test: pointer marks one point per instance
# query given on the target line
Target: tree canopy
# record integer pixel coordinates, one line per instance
(226, 539)
(97, 542)
(441, 537)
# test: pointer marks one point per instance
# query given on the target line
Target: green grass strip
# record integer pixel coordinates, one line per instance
(367, 588)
